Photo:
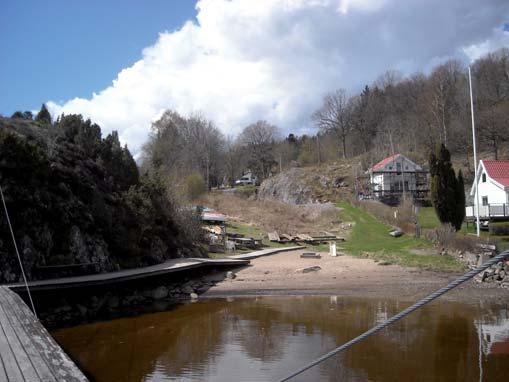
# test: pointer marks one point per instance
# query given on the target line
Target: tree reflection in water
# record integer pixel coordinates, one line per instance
(265, 338)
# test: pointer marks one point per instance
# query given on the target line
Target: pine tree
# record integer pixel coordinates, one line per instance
(447, 191)
(43, 115)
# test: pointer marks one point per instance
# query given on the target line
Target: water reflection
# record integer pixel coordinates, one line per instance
(260, 339)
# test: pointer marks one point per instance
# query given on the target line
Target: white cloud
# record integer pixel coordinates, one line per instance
(246, 60)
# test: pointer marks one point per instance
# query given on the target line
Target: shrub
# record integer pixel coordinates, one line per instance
(499, 228)
(194, 186)
(246, 191)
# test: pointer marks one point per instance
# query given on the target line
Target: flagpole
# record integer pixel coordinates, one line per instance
(478, 227)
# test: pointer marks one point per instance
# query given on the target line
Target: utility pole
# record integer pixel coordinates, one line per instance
(476, 202)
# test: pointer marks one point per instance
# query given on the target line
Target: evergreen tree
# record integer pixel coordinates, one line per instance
(43, 115)
(460, 202)
(447, 191)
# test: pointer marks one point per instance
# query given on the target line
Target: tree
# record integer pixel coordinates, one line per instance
(447, 191)
(335, 116)
(460, 202)
(23, 115)
(258, 139)
(43, 115)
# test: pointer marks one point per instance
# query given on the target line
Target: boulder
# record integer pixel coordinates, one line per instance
(160, 293)
(230, 275)
(314, 268)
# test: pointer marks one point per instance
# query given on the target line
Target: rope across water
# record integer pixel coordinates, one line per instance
(467, 276)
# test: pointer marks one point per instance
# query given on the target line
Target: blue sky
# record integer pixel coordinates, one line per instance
(122, 63)
(61, 49)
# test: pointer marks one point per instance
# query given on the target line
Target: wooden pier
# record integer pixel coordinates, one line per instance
(28, 353)
(170, 266)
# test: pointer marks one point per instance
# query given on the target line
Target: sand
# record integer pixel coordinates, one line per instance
(281, 274)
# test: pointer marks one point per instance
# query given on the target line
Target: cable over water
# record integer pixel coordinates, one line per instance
(467, 276)
(17, 252)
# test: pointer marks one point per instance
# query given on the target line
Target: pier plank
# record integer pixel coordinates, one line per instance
(28, 352)
(23, 361)
(20, 321)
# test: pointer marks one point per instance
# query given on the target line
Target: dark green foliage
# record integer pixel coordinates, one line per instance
(83, 133)
(460, 201)
(75, 198)
(43, 116)
(499, 228)
(118, 162)
(447, 192)
(23, 115)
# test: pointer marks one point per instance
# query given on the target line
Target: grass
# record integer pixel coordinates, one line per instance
(370, 238)
(429, 220)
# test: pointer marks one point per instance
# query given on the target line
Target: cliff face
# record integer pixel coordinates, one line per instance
(75, 198)
(309, 184)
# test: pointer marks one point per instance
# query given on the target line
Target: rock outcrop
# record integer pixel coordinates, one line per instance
(75, 198)
(308, 185)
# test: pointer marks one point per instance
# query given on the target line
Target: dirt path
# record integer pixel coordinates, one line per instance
(343, 275)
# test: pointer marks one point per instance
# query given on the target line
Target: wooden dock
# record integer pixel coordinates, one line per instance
(170, 266)
(28, 353)
(264, 252)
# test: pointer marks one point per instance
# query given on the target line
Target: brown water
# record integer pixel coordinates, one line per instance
(263, 339)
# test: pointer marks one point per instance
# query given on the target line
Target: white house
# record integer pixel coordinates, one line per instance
(490, 190)
(395, 175)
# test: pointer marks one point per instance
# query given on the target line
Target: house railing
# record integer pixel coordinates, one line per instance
(488, 211)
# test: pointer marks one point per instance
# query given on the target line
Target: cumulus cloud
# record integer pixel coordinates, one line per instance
(245, 60)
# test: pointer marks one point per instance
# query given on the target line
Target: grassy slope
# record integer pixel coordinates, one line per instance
(369, 235)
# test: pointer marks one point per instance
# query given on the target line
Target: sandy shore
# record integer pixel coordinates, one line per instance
(281, 274)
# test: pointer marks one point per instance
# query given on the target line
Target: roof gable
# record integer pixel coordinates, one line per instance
(498, 170)
(384, 162)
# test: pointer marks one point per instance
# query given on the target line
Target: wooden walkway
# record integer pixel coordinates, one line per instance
(28, 353)
(170, 266)
(264, 252)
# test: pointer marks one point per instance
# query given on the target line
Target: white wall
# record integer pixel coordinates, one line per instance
(495, 194)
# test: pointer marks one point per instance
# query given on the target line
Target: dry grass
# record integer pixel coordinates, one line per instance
(276, 216)
(401, 216)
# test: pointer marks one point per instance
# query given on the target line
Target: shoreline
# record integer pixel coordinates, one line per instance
(345, 276)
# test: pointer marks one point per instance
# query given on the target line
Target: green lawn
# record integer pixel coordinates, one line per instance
(370, 238)
(429, 220)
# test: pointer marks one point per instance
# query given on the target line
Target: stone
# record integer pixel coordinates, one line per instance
(194, 296)
(230, 275)
(160, 293)
(315, 268)
(113, 302)
(82, 309)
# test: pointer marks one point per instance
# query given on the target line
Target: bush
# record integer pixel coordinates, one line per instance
(246, 191)
(194, 186)
(499, 228)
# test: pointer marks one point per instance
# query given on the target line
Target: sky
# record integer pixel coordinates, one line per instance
(122, 63)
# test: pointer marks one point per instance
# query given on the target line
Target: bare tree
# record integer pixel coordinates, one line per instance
(335, 116)
(259, 139)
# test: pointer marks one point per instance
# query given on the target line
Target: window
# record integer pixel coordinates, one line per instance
(484, 177)
(390, 167)
(398, 166)
(484, 200)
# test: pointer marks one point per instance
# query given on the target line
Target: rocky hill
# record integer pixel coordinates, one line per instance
(77, 198)
(303, 185)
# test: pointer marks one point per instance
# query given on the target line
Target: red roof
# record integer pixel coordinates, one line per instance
(380, 165)
(498, 170)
